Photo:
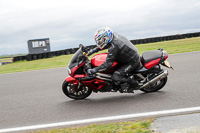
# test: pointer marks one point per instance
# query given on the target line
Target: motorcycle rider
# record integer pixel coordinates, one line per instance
(120, 49)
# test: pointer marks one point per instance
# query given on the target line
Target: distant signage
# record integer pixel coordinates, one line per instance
(36, 44)
(39, 46)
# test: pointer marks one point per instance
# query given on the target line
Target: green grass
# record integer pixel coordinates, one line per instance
(120, 127)
(175, 46)
(172, 47)
(20, 66)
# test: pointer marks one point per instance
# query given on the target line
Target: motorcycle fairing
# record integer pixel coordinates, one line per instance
(73, 70)
(94, 84)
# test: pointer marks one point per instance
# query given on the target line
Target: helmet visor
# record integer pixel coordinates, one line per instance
(100, 42)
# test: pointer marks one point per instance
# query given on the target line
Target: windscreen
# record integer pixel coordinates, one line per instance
(74, 58)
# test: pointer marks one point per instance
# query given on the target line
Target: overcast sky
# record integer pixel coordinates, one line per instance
(70, 22)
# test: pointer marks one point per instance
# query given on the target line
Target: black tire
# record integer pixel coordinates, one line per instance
(69, 91)
(157, 86)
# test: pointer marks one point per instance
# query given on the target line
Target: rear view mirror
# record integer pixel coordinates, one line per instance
(80, 45)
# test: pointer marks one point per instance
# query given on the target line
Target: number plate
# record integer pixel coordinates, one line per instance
(166, 63)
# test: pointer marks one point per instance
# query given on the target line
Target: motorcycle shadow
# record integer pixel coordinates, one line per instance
(112, 104)
(131, 98)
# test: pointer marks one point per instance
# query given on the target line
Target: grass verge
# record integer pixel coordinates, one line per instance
(172, 47)
(120, 127)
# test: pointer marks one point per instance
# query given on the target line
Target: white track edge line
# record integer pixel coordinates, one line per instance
(76, 122)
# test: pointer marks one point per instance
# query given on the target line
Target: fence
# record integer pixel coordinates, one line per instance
(31, 57)
(165, 38)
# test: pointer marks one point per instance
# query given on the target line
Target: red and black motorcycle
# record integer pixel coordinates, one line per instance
(80, 85)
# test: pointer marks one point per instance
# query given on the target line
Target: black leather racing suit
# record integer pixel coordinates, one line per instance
(120, 49)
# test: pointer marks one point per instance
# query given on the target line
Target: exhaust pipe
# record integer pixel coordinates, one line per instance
(99, 77)
(154, 80)
(104, 76)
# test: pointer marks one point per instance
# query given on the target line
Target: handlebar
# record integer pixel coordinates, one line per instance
(84, 49)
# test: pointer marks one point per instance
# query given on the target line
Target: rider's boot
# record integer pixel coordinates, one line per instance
(133, 84)
(116, 85)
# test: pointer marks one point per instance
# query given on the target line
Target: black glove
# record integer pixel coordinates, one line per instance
(91, 71)
(84, 49)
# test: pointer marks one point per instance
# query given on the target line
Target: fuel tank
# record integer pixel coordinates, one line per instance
(99, 59)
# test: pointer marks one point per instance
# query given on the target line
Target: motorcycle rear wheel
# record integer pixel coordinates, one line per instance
(70, 91)
(157, 86)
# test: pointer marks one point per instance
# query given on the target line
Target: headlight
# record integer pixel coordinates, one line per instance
(69, 71)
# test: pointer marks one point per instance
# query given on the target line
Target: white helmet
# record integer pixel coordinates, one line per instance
(103, 36)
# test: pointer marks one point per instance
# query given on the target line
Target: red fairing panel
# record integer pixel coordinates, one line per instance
(94, 84)
(73, 70)
(80, 76)
(152, 63)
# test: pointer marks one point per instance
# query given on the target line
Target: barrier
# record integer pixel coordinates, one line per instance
(6, 60)
(31, 57)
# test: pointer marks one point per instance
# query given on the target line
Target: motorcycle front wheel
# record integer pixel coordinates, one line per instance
(70, 91)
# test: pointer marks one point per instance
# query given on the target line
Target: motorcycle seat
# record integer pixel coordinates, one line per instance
(151, 55)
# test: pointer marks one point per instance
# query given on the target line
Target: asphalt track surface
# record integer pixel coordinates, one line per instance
(36, 97)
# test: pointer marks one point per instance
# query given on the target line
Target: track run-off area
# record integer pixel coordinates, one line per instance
(34, 99)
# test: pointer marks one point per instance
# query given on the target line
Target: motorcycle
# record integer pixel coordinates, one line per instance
(79, 84)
